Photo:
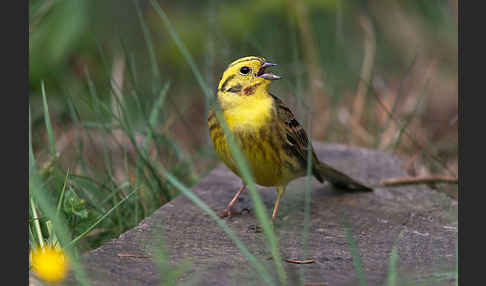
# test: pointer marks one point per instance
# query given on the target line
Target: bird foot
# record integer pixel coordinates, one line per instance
(229, 212)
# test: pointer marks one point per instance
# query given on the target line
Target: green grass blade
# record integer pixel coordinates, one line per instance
(154, 114)
(31, 150)
(307, 206)
(355, 253)
(235, 150)
(32, 238)
(182, 49)
(37, 227)
(169, 275)
(419, 105)
(40, 195)
(148, 40)
(296, 66)
(392, 268)
(61, 196)
(259, 267)
(50, 133)
(456, 274)
(101, 218)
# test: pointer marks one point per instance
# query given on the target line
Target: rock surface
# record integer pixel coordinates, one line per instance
(419, 222)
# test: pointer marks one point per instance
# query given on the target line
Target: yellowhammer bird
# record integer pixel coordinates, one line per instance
(273, 142)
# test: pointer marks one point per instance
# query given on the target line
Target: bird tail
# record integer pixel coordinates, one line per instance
(338, 179)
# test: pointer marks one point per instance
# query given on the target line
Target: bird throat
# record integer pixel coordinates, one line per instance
(248, 112)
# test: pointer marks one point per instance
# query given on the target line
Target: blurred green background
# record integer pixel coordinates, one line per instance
(123, 101)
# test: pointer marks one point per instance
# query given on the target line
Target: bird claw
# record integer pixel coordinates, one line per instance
(225, 213)
(228, 212)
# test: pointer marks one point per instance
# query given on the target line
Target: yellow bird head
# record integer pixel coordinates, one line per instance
(245, 78)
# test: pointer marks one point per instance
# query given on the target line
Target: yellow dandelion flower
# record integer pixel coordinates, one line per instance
(49, 263)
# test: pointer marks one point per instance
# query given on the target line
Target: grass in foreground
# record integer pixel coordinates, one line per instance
(81, 206)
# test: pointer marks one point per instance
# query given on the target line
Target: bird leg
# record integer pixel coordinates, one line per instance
(280, 191)
(227, 211)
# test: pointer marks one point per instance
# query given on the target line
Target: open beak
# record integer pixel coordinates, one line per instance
(263, 74)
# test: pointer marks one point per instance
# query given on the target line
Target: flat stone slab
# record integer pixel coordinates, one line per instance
(419, 222)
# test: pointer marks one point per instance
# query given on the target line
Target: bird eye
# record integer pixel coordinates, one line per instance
(245, 70)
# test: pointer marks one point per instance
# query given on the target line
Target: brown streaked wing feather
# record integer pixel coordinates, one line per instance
(213, 124)
(299, 144)
(211, 117)
(295, 136)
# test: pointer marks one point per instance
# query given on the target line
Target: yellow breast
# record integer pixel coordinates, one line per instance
(250, 114)
(255, 130)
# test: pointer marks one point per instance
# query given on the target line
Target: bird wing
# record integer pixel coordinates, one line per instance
(297, 141)
(295, 136)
